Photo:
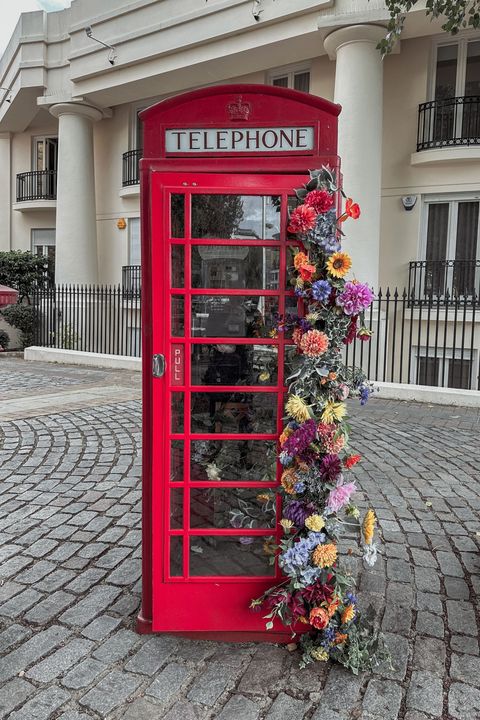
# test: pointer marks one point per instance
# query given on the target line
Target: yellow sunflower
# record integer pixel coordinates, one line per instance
(339, 264)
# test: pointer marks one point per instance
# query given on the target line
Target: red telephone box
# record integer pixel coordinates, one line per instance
(220, 165)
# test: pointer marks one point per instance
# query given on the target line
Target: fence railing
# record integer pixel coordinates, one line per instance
(131, 280)
(91, 318)
(37, 185)
(452, 121)
(427, 343)
(130, 169)
(437, 277)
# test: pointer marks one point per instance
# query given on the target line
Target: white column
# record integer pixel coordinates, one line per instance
(6, 198)
(76, 230)
(359, 90)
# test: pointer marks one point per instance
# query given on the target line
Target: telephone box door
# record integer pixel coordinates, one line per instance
(220, 251)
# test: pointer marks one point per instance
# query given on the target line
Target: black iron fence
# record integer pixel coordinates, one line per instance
(37, 185)
(131, 280)
(91, 318)
(130, 169)
(432, 342)
(437, 277)
(452, 121)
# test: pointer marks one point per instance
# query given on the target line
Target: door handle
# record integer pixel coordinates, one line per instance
(158, 365)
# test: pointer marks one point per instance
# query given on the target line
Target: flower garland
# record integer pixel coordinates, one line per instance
(314, 442)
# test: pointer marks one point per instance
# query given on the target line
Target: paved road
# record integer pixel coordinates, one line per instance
(70, 570)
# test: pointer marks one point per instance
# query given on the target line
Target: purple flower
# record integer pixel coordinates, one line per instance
(300, 293)
(364, 394)
(304, 324)
(297, 511)
(355, 297)
(340, 496)
(328, 637)
(300, 439)
(330, 467)
(321, 290)
(324, 233)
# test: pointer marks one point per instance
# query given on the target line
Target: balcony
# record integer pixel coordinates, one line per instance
(438, 281)
(451, 127)
(131, 173)
(131, 282)
(36, 190)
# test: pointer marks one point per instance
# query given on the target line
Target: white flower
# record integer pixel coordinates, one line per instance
(370, 554)
(213, 472)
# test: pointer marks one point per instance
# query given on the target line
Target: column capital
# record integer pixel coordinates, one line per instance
(70, 108)
(353, 34)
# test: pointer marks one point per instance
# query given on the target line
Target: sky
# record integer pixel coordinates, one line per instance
(12, 11)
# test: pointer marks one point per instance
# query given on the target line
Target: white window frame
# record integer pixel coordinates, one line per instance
(422, 352)
(129, 235)
(35, 140)
(290, 71)
(461, 40)
(135, 109)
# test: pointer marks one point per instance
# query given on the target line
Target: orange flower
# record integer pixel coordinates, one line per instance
(307, 272)
(297, 336)
(348, 614)
(333, 607)
(351, 460)
(340, 638)
(300, 260)
(339, 264)
(314, 343)
(325, 555)
(352, 209)
(318, 618)
(288, 480)
(285, 435)
(332, 375)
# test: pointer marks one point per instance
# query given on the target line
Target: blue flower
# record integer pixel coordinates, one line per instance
(321, 290)
(299, 487)
(309, 574)
(284, 458)
(300, 293)
(328, 637)
(314, 538)
(351, 598)
(364, 394)
(324, 233)
(294, 558)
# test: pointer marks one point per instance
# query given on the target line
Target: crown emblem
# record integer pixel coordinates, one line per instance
(239, 110)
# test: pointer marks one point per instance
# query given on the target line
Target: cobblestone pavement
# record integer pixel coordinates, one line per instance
(70, 572)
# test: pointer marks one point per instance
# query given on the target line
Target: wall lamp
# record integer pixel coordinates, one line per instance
(256, 10)
(8, 96)
(112, 55)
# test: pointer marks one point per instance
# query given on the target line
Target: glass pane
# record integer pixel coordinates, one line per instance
(227, 555)
(176, 461)
(176, 509)
(247, 217)
(177, 209)
(242, 460)
(281, 81)
(428, 370)
(223, 266)
(301, 81)
(178, 316)
(466, 248)
(292, 358)
(234, 412)
(234, 365)
(446, 76)
(221, 507)
(459, 373)
(291, 311)
(436, 254)
(233, 316)
(176, 555)
(177, 412)
(472, 74)
(177, 272)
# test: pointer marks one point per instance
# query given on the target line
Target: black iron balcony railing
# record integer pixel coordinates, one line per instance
(436, 279)
(37, 185)
(131, 281)
(449, 122)
(130, 169)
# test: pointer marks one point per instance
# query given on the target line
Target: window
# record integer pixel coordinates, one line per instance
(296, 78)
(453, 370)
(43, 244)
(134, 252)
(452, 246)
(45, 153)
(456, 90)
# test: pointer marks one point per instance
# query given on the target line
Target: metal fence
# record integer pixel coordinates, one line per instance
(37, 185)
(449, 121)
(92, 318)
(428, 340)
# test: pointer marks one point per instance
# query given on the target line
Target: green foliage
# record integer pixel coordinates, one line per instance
(4, 339)
(22, 271)
(24, 318)
(68, 338)
(458, 14)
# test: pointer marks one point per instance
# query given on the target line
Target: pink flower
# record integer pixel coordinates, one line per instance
(314, 343)
(340, 495)
(302, 219)
(320, 200)
(355, 297)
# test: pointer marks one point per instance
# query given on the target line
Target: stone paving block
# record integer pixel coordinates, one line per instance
(20, 603)
(264, 670)
(382, 700)
(152, 655)
(55, 580)
(36, 572)
(74, 715)
(463, 702)
(97, 600)
(430, 602)
(113, 557)
(112, 691)
(285, 706)
(399, 594)
(117, 646)
(14, 694)
(13, 635)
(86, 580)
(169, 683)
(398, 570)
(456, 588)
(429, 655)
(429, 624)
(449, 565)
(185, 711)
(41, 548)
(43, 705)
(465, 668)
(50, 607)
(399, 650)
(397, 619)
(208, 686)
(425, 693)
(84, 674)
(127, 573)
(464, 644)
(101, 627)
(143, 709)
(341, 695)
(461, 617)
(60, 661)
(427, 580)
(242, 707)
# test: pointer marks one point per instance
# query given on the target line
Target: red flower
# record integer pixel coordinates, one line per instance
(307, 271)
(351, 460)
(319, 200)
(352, 209)
(302, 219)
(319, 618)
(351, 332)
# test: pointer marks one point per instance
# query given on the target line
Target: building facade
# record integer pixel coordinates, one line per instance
(409, 131)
